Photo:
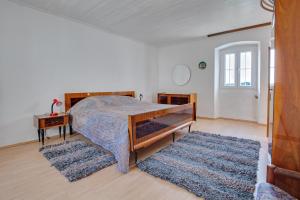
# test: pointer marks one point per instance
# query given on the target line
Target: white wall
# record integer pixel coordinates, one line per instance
(202, 81)
(43, 56)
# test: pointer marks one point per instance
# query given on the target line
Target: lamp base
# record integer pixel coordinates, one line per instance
(53, 114)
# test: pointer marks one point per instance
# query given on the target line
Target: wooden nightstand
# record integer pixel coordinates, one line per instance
(43, 122)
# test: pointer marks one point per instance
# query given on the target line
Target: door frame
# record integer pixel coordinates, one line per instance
(218, 84)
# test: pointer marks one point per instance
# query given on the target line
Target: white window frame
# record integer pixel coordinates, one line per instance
(237, 50)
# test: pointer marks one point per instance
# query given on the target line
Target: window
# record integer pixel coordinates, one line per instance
(229, 69)
(239, 66)
(245, 69)
(272, 67)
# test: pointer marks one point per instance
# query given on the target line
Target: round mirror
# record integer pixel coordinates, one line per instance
(181, 74)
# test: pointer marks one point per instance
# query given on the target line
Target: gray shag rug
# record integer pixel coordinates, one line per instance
(210, 166)
(77, 159)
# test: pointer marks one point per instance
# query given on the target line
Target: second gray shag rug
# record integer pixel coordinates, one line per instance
(210, 166)
(77, 159)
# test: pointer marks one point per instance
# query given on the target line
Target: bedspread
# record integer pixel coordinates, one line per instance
(104, 120)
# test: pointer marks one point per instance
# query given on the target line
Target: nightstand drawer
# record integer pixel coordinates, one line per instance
(55, 121)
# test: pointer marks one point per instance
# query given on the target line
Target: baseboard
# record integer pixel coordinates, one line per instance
(231, 119)
(27, 142)
(210, 118)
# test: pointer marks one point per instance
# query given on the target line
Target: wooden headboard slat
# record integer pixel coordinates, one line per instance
(72, 98)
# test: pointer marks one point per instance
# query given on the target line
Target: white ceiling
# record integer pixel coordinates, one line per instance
(158, 21)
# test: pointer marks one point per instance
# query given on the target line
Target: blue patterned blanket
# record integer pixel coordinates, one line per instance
(104, 120)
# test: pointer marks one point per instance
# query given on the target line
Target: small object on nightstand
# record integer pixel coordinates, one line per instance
(141, 96)
(46, 121)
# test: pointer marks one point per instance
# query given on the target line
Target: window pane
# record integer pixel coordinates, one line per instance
(248, 77)
(272, 58)
(232, 77)
(272, 66)
(272, 76)
(229, 70)
(248, 60)
(246, 68)
(226, 77)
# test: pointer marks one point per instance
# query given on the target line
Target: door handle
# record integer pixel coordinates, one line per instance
(256, 96)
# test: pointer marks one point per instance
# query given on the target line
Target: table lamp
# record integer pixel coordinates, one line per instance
(57, 103)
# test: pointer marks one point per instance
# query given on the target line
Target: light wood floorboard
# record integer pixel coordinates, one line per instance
(26, 174)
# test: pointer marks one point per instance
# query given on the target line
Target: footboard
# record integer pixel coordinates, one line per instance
(147, 128)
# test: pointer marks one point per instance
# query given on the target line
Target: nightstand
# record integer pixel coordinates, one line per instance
(44, 122)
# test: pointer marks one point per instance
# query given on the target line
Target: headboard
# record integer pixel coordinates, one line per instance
(72, 98)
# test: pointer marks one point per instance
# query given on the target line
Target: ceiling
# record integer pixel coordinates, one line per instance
(157, 21)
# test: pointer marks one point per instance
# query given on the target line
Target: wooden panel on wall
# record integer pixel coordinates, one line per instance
(286, 133)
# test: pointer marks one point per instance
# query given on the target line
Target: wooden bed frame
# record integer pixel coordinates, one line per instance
(133, 120)
(287, 180)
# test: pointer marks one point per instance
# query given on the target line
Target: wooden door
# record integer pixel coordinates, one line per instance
(286, 132)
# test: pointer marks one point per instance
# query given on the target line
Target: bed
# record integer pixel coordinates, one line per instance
(122, 124)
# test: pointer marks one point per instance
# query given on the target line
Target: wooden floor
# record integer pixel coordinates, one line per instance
(26, 174)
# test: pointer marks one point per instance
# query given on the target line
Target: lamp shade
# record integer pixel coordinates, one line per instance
(57, 102)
